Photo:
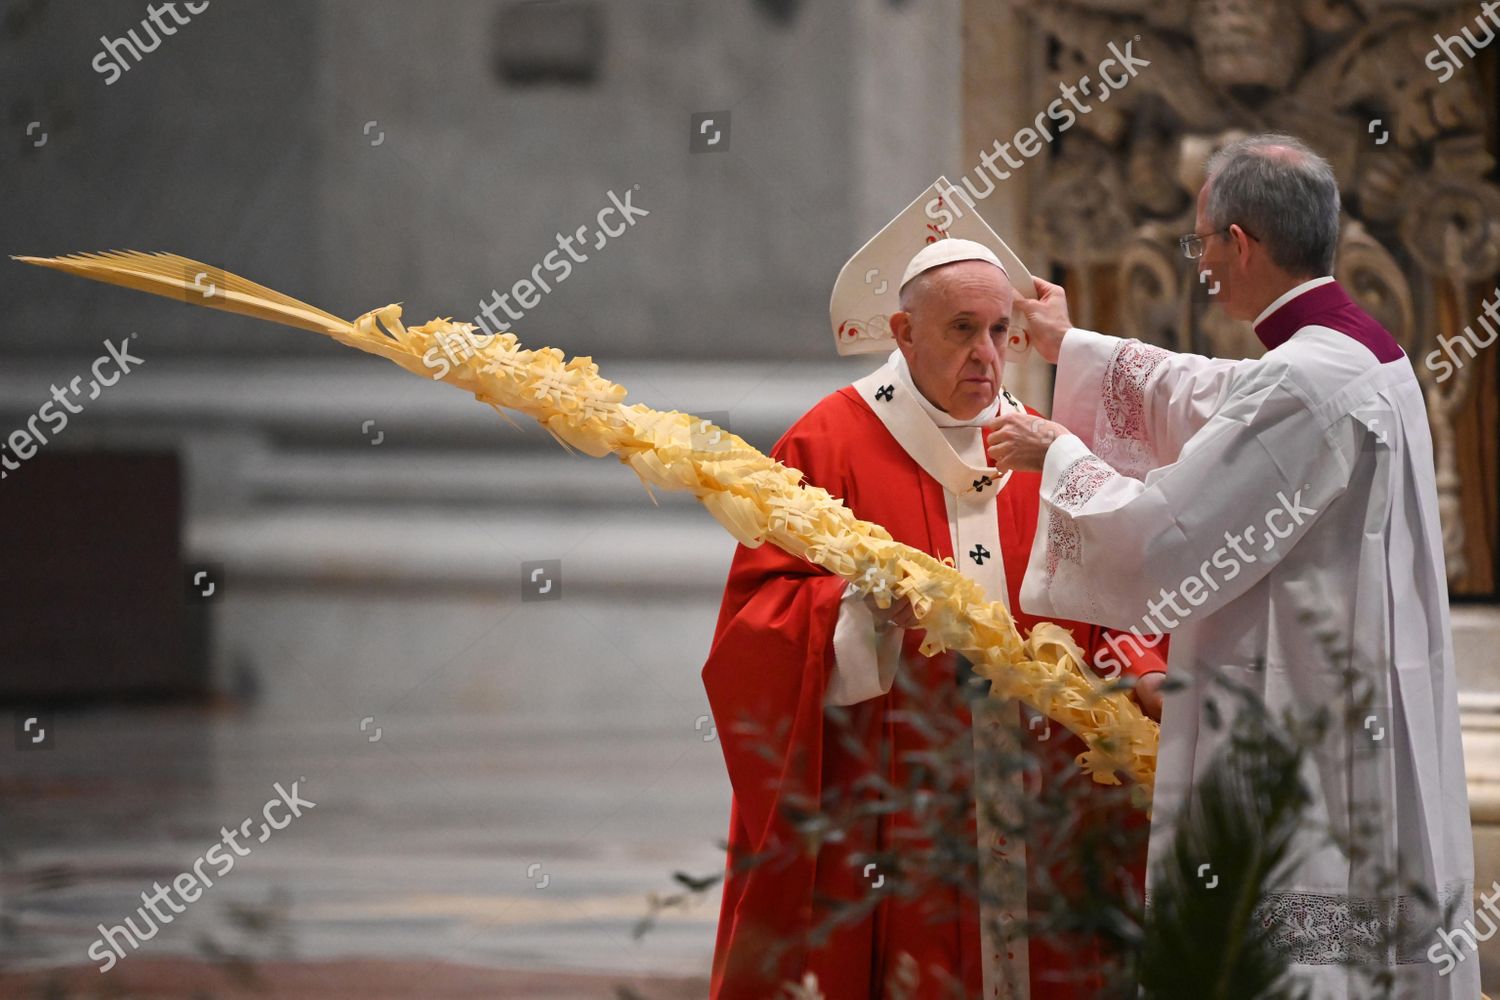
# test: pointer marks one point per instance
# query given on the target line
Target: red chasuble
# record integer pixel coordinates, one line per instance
(770, 665)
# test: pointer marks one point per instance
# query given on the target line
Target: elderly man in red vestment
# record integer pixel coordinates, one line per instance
(829, 683)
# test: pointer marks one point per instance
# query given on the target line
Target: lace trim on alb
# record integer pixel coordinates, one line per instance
(1125, 379)
(1312, 928)
(1122, 438)
(1075, 487)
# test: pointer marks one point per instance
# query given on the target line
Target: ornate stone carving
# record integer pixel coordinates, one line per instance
(1248, 43)
(1375, 280)
(1351, 78)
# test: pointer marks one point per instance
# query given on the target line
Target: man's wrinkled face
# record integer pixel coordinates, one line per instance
(952, 331)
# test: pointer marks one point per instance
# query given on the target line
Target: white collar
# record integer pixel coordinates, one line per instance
(939, 417)
(927, 439)
(1291, 294)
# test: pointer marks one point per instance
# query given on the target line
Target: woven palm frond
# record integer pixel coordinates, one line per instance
(754, 497)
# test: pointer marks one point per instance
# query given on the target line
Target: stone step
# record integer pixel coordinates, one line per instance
(351, 401)
(624, 551)
(497, 479)
(1476, 636)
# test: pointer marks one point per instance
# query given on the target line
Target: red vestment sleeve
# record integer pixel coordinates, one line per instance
(769, 666)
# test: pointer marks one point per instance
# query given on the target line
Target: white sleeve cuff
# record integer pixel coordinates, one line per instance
(865, 659)
(1067, 449)
(1078, 341)
(1036, 585)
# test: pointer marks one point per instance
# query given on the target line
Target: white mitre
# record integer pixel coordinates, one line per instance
(927, 233)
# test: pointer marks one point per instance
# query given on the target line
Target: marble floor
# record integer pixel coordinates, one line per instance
(488, 840)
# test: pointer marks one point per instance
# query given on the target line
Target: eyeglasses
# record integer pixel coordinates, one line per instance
(1192, 244)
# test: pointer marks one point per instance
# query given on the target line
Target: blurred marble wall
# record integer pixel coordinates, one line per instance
(358, 152)
(246, 140)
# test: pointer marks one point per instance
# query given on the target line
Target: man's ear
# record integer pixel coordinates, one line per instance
(1242, 243)
(901, 329)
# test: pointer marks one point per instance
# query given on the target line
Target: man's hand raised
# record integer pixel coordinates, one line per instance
(898, 615)
(1046, 318)
(1149, 695)
(1020, 441)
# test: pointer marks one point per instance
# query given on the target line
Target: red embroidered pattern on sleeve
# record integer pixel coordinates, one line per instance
(1125, 378)
(1075, 487)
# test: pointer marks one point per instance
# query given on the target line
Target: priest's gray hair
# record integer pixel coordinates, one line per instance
(1282, 193)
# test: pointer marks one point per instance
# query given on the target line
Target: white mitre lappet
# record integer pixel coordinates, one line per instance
(926, 234)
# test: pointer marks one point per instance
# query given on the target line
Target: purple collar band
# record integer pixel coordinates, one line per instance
(1328, 305)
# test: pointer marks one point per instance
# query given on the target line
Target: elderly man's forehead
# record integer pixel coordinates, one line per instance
(964, 272)
(957, 276)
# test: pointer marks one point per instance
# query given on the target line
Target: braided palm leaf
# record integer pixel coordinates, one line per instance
(756, 498)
